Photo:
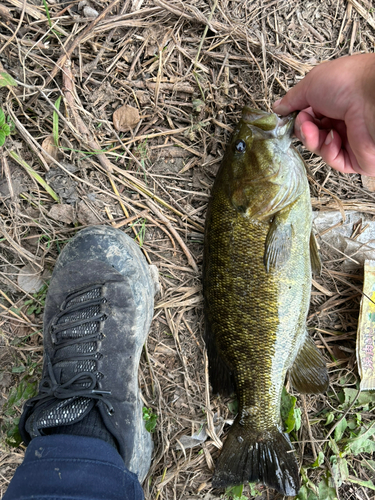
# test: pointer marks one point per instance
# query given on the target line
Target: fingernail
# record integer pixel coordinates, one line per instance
(303, 138)
(329, 138)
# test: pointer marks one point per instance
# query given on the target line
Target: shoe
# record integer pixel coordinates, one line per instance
(97, 315)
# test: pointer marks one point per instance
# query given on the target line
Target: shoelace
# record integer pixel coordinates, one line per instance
(82, 384)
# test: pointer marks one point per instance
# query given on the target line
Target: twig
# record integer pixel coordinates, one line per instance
(17, 29)
(175, 234)
(69, 50)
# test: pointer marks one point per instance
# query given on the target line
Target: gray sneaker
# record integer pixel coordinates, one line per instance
(98, 312)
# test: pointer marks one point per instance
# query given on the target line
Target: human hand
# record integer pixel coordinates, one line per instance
(336, 101)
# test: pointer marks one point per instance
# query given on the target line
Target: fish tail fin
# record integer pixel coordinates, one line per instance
(266, 457)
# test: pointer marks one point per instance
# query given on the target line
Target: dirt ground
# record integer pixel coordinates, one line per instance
(121, 114)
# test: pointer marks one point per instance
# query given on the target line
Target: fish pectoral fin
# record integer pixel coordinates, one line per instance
(258, 456)
(278, 245)
(316, 263)
(309, 372)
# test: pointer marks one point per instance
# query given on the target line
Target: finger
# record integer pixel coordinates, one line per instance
(336, 155)
(329, 145)
(306, 116)
(311, 135)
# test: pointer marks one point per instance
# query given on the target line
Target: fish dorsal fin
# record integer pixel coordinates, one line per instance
(316, 263)
(309, 372)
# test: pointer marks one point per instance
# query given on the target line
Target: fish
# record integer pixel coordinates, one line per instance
(259, 254)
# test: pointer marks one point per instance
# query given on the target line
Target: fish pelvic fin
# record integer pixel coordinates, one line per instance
(309, 372)
(265, 457)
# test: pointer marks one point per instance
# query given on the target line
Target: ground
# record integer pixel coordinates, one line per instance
(120, 116)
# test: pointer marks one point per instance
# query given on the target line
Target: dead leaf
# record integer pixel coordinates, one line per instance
(125, 118)
(29, 279)
(191, 441)
(85, 216)
(63, 213)
(90, 12)
(49, 146)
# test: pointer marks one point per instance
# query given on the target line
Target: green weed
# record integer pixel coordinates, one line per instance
(17, 395)
(142, 232)
(36, 305)
(349, 438)
(6, 80)
(234, 493)
(5, 129)
(150, 419)
(55, 125)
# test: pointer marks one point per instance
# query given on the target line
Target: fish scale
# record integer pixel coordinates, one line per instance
(257, 300)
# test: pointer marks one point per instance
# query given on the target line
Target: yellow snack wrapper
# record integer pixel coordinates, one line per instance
(365, 348)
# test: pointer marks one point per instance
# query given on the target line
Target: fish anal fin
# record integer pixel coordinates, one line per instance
(220, 375)
(316, 263)
(265, 457)
(309, 372)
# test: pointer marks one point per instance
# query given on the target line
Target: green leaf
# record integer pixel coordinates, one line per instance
(18, 369)
(330, 418)
(361, 443)
(366, 484)
(364, 399)
(297, 419)
(254, 491)
(319, 460)
(47, 13)
(306, 494)
(340, 470)
(234, 491)
(288, 404)
(150, 419)
(35, 175)
(2, 117)
(326, 492)
(11, 432)
(11, 124)
(340, 429)
(2, 138)
(151, 423)
(6, 79)
(55, 126)
(233, 406)
(18, 395)
(369, 464)
(6, 129)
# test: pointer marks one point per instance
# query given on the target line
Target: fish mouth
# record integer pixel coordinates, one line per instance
(269, 122)
(285, 125)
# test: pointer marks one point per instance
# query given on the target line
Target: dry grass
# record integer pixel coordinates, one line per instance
(188, 67)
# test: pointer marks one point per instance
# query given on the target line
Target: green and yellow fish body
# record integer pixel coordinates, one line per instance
(258, 254)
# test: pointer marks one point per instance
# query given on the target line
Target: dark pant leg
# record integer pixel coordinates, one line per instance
(62, 467)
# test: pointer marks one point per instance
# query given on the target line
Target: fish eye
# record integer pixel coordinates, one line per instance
(240, 146)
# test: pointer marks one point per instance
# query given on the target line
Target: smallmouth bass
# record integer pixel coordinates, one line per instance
(259, 251)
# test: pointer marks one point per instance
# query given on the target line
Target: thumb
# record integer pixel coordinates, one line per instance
(294, 100)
